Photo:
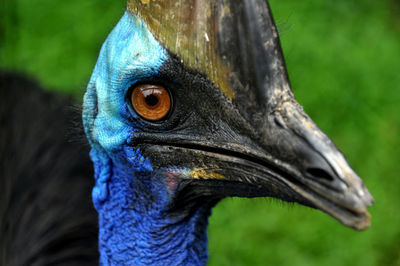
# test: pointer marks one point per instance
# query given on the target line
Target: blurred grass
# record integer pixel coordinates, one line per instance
(343, 61)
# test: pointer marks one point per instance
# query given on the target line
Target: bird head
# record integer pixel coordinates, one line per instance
(191, 101)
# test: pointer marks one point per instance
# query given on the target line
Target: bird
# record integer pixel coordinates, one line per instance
(189, 103)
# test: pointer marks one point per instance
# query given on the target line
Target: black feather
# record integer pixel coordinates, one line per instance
(46, 214)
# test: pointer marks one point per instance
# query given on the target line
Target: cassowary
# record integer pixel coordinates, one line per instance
(189, 103)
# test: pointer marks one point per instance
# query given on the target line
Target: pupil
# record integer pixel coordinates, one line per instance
(151, 100)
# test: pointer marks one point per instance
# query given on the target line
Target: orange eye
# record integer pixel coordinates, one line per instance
(152, 102)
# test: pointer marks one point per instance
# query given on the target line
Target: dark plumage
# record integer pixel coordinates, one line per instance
(46, 214)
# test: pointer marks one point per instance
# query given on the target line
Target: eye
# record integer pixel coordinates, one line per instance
(152, 102)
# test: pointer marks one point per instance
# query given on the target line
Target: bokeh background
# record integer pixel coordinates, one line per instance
(343, 59)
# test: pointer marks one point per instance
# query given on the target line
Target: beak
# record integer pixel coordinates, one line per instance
(318, 170)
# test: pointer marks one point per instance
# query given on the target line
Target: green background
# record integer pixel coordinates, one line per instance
(343, 60)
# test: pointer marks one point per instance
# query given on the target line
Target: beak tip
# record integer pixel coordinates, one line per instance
(368, 198)
(364, 223)
(364, 195)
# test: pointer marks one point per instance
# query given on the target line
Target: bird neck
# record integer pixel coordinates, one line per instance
(134, 229)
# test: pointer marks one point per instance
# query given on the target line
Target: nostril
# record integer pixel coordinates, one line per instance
(319, 173)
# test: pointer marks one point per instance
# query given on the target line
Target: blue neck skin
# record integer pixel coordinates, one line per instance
(131, 197)
(135, 229)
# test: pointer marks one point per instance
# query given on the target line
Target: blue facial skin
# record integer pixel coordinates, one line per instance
(130, 196)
